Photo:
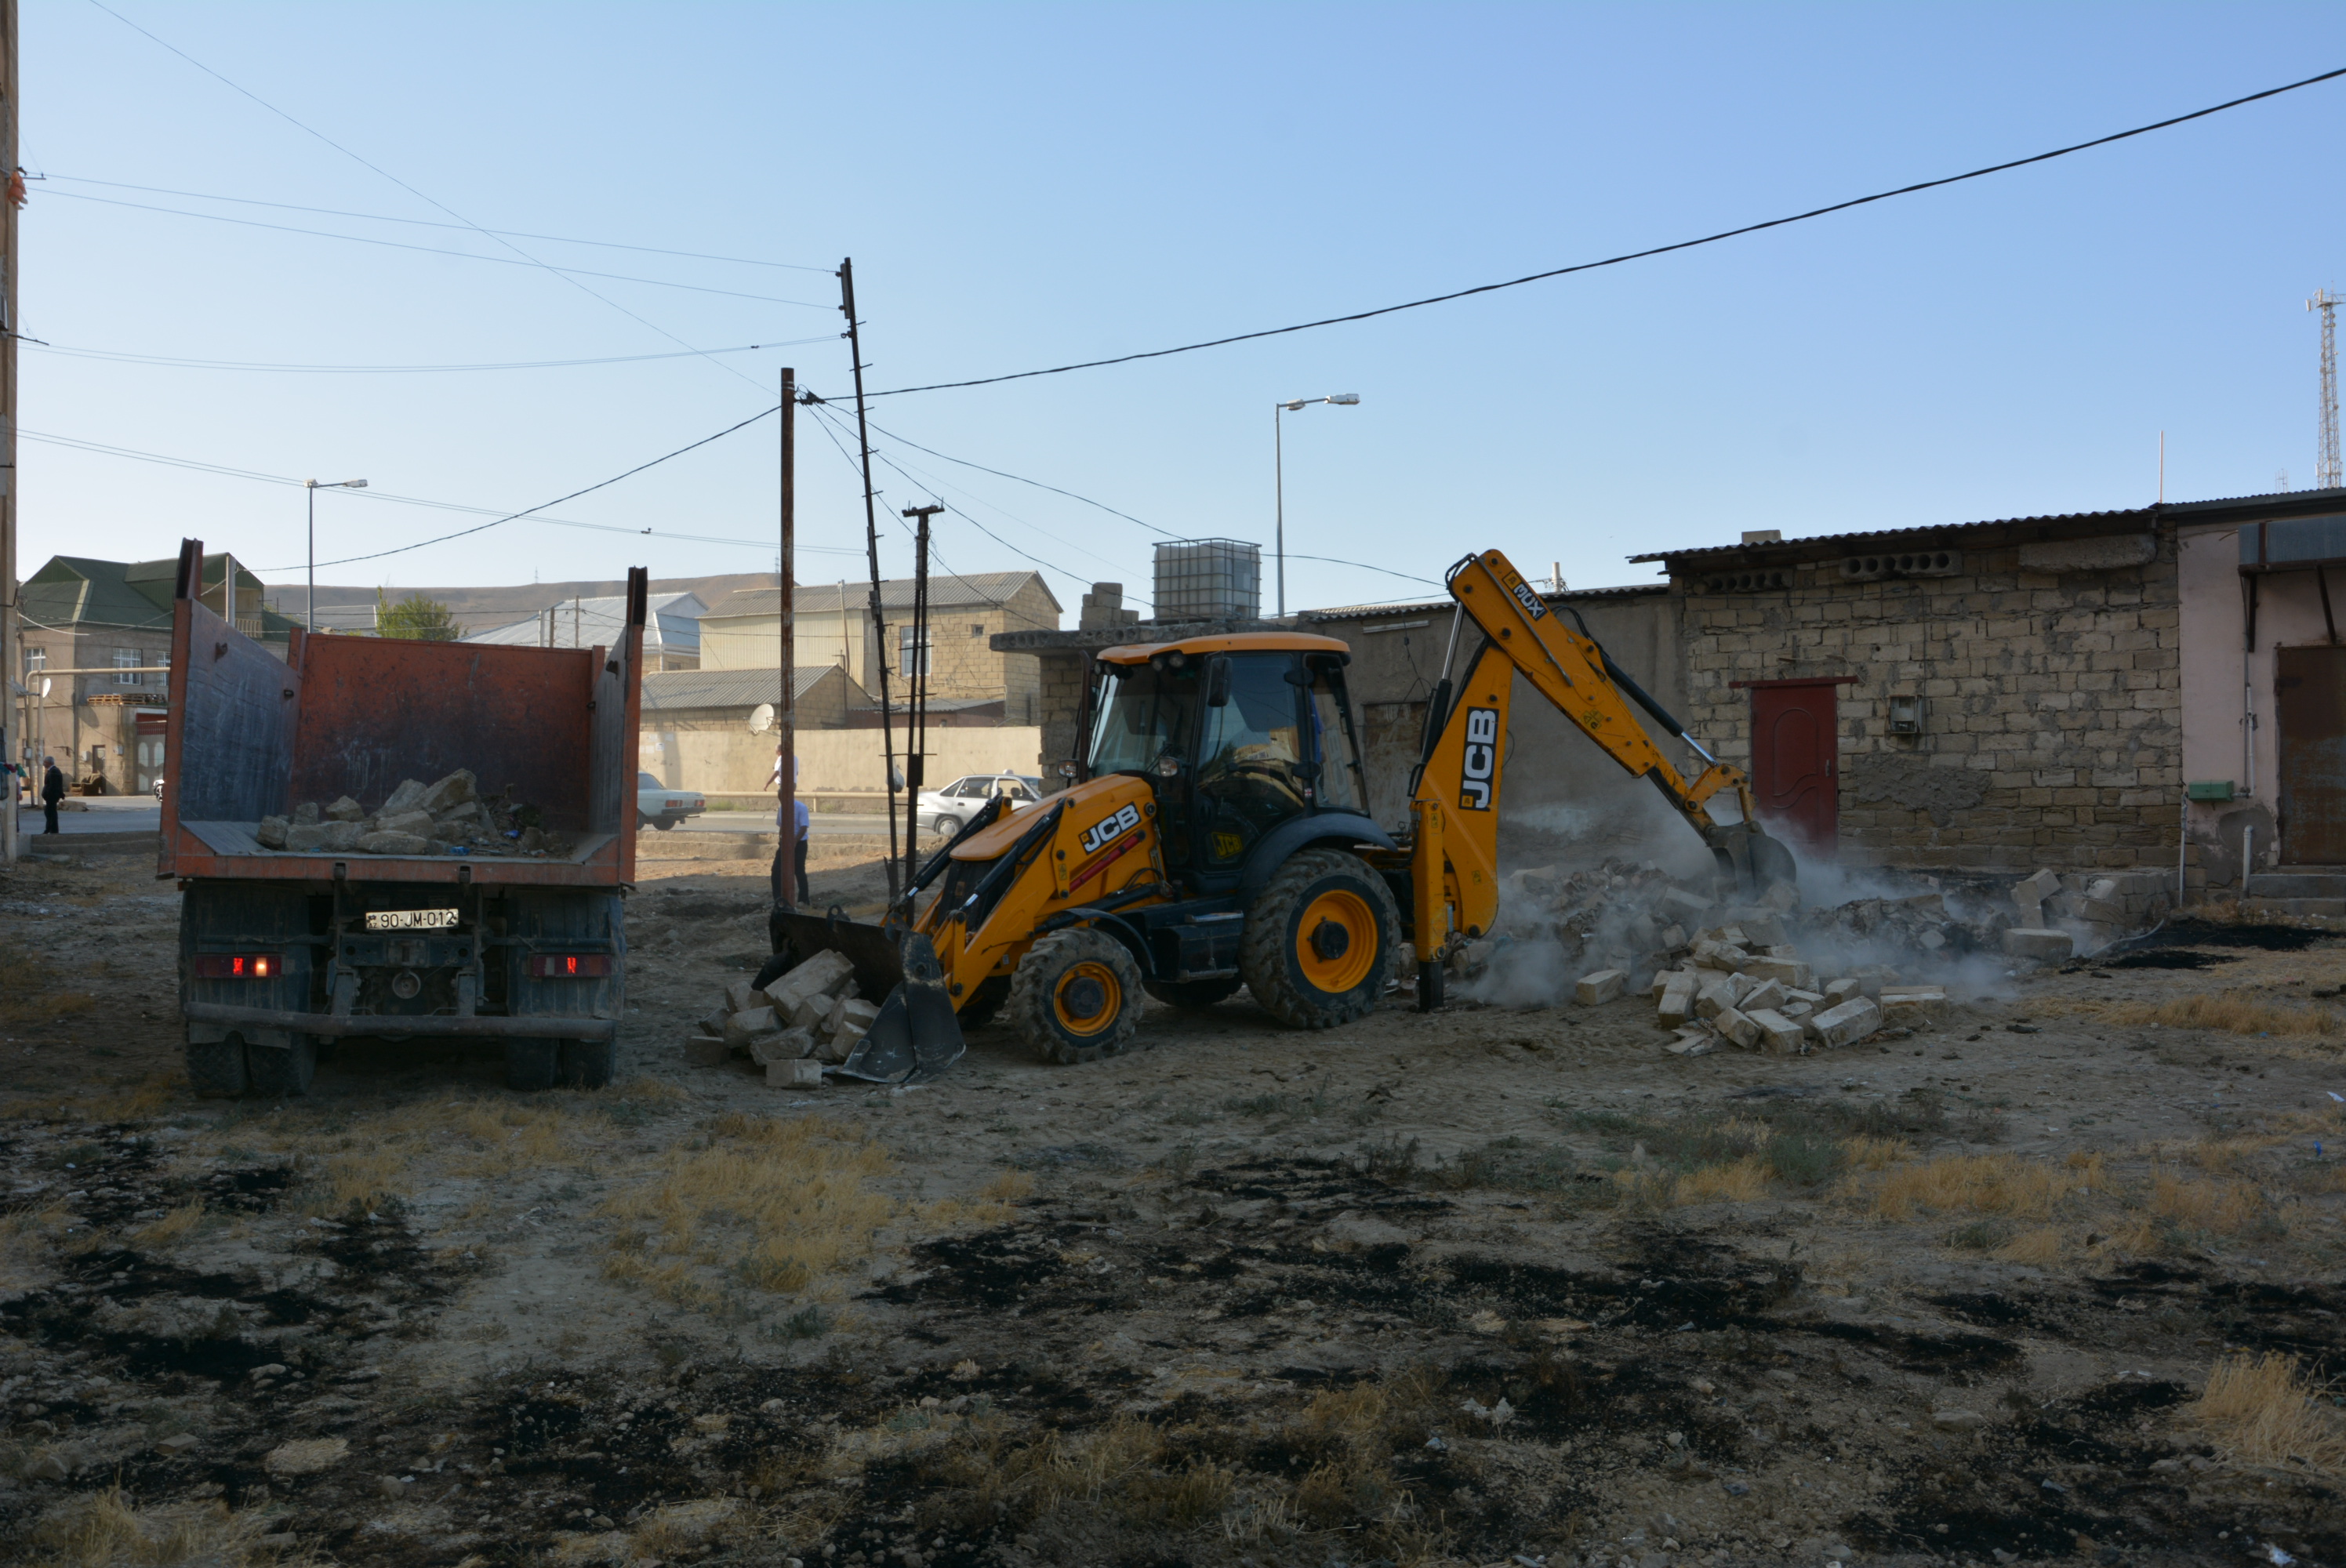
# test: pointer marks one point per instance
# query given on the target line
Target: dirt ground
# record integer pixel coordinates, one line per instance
(2056, 1277)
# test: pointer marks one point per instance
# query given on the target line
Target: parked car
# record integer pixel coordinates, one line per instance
(658, 806)
(943, 811)
(158, 788)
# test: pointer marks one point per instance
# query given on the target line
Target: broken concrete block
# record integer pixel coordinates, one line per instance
(1738, 1028)
(1796, 1010)
(387, 843)
(306, 814)
(801, 1073)
(1872, 977)
(840, 1046)
(850, 1012)
(1680, 901)
(1781, 897)
(1692, 1043)
(2032, 891)
(303, 840)
(1762, 930)
(1672, 936)
(271, 833)
(825, 972)
(447, 793)
(1723, 955)
(1597, 989)
(1779, 1035)
(346, 810)
(1766, 994)
(1851, 1021)
(1677, 1005)
(744, 1025)
(1811, 997)
(404, 799)
(1906, 1003)
(1788, 972)
(740, 995)
(1717, 995)
(416, 822)
(306, 1456)
(706, 1051)
(1839, 990)
(180, 1443)
(50, 1466)
(2037, 942)
(782, 1045)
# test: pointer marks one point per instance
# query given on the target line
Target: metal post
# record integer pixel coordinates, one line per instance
(916, 688)
(310, 604)
(1279, 491)
(786, 710)
(872, 552)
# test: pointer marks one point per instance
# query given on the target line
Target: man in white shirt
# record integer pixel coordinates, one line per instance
(797, 844)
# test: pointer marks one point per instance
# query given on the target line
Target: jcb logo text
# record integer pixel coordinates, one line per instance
(1482, 759)
(1108, 829)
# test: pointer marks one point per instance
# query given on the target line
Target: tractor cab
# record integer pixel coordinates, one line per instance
(1236, 736)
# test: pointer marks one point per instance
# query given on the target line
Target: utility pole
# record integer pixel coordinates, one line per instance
(12, 663)
(871, 554)
(2328, 475)
(786, 762)
(916, 677)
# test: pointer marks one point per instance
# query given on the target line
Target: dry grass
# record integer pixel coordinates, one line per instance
(28, 992)
(2264, 1410)
(2236, 1011)
(171, 1229)
(779, 1203)
(992, 1204)
(2042, 1247)
(1737, 1181)
(1980, 1184)
(2224, 1208)
(27, 1239)
(1866, 1153)
(106, 1530)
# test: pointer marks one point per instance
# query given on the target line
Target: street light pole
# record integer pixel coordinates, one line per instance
(309, 603)
(1279, 478)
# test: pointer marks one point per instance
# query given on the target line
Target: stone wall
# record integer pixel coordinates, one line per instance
(2051, 675)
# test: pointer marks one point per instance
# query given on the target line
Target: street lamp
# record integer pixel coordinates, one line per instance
(310, 604)
(1278, 472)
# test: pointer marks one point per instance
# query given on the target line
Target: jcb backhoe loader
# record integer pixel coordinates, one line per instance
(1215, 833)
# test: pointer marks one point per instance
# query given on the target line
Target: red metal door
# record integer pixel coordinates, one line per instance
(1796, 762)
(2310, 703)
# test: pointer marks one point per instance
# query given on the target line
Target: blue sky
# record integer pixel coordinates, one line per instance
(1023, 186)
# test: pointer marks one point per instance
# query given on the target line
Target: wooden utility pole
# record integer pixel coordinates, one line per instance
(786, 710)
(871, 552)
(12, 663)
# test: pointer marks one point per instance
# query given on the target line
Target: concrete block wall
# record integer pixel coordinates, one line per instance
(2052, 731)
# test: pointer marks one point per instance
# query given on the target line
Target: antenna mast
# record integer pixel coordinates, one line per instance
(2330, 474)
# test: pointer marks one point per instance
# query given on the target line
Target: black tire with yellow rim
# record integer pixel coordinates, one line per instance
(1075, 996)
(1321, 940)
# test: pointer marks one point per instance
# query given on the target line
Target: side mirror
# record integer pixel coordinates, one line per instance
(1217, 684)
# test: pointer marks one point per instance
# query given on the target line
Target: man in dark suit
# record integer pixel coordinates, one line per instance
(53, 789)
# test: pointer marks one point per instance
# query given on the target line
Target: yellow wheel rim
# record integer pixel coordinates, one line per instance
(1336, 941)
(1088, 999)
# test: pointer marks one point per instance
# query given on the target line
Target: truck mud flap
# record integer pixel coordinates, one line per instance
(917, 1034)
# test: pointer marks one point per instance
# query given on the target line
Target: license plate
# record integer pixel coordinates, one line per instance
(409, 919)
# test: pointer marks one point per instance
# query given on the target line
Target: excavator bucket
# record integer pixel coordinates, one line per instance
(917, 1034)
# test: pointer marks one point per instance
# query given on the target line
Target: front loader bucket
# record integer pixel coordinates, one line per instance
(1751, 861)
(917, 1034)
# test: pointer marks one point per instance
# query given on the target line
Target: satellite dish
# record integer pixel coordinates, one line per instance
(762, 718)
(45, 684)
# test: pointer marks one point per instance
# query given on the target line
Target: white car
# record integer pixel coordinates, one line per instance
(658, 806)
(943, 811)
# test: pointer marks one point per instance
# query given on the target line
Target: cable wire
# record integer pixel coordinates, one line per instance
(117, 356)
(1626, 256)
(427, 223)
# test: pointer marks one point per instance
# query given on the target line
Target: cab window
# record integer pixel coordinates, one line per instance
(1249, 756)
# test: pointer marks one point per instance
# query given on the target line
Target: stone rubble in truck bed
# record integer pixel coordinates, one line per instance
(802, 1020)
(449, 817)
(1735, 974)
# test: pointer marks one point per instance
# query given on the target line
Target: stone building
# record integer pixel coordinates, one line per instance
(99, 634)
(967, 671)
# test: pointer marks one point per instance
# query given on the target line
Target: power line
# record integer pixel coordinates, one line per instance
(427, 223)
(436, 250)
(116, 357)
(1626, 256)
(346, 152)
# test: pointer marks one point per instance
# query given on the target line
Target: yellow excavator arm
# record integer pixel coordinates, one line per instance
(1454, 797)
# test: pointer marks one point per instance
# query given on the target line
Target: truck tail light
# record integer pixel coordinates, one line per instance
(238, 965)
(569, 965)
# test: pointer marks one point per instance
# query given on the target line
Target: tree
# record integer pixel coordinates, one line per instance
(426, 620)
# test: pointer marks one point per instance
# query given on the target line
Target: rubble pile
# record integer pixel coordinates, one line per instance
(810, 1017)
(448, 816)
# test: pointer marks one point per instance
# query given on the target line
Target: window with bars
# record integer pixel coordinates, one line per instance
(912, 650)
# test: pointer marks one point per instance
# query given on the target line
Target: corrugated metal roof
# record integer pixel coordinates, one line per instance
(672, 621)
(1424, 607)
(742, 688)
(2136, 514)
(990, 588)
(70, 590)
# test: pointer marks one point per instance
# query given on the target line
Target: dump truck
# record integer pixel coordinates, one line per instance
(1215, 834)
(285, 951)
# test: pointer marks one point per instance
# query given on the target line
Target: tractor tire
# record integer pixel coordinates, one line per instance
(216, 1069)
(1321, 940)
(992, 993)
(533, 1065)
(1075, 997)
(281, 1073)
(585, 1063)
(1192, 992)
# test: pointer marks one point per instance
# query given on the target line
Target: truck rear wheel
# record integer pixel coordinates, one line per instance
(1075, 997)
(586, 1064)
(216, 1068)
(279, 1072)
(1192, 992)
(1320, 941)
(532, 1064)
